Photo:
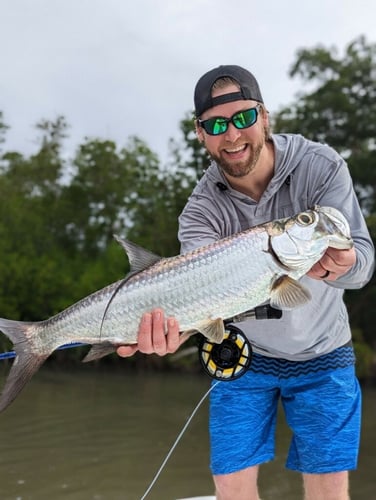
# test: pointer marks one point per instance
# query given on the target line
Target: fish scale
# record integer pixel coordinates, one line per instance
(200, 289)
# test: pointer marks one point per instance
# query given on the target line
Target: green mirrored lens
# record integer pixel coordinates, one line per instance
(216, 126)
(245, 119)
(219, 125)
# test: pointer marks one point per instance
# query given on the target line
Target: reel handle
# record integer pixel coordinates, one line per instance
(231, 359)
(228, 360)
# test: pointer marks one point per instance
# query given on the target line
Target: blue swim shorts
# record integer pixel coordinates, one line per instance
(321, 399)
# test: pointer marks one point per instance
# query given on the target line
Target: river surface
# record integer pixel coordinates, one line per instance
(97, 435)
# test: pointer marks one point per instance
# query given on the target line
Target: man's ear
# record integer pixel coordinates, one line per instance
(199, 132)
(265, 116)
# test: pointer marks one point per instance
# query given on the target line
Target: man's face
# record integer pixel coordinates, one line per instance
(236, 151)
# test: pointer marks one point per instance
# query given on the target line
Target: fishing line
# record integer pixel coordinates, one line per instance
(13, 354)
(177, 440)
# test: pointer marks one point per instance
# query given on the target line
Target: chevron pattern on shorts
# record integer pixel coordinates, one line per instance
(283, 368)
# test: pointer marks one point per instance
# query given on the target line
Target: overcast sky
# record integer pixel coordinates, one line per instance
(116, 68)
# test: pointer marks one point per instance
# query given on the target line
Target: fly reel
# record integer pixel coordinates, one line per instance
(228, 360)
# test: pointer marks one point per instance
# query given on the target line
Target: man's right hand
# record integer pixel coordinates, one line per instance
(155, 335)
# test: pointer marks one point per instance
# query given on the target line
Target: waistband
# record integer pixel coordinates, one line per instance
(341, 357)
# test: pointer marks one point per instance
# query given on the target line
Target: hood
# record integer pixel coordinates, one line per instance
(289, 151)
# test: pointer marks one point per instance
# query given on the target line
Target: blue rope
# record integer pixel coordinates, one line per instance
(12, 354)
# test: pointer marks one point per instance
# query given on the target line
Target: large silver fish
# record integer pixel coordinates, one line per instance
(200, 288)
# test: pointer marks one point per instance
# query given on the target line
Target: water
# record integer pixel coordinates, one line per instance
(91, 435)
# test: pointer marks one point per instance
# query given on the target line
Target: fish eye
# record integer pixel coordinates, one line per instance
(305, 218)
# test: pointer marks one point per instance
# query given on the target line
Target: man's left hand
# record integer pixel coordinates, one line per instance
(333, 264)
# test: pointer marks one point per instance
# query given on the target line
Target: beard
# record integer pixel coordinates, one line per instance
(241, 168)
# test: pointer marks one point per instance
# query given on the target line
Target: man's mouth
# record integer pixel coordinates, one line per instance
(238, 149)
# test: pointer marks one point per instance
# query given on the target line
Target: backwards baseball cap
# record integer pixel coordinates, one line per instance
(249, 88)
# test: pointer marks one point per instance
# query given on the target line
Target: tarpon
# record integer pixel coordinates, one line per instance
(200, 289)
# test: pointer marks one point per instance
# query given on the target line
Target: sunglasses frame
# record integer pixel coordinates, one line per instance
(227, 121)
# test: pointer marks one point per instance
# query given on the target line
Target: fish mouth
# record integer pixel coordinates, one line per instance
(310, 235)
(340, 242)
(341, 238)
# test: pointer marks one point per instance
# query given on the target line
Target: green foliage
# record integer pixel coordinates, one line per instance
(338, 106)
(58, 216)
(189, 154)
(364, 355)
(360, 303)
(3, 128)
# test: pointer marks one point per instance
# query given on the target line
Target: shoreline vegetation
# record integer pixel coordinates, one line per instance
(58, 213)
(184, 364)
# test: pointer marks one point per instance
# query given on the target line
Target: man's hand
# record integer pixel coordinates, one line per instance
(155, 335)
(333, 264)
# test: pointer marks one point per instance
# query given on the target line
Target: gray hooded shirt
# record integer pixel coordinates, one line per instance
(306, 174)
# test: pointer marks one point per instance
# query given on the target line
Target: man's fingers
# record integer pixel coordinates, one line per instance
(155, 335)
(159, 332)
(125, 351)
(173, 335)
(341, 258)
(336, 262)
(145, 339)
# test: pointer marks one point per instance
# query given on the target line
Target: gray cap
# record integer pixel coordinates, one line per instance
(249, 88)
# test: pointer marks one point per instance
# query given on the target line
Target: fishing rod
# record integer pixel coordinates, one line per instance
(12, 354)
(224, 361)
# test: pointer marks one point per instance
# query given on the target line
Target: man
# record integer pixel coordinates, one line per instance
(305, 359)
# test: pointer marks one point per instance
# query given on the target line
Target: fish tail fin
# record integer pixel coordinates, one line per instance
(26, 362)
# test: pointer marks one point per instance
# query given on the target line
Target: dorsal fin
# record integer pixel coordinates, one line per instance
(139, 258)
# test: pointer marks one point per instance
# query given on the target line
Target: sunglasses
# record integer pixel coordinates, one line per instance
(219, 124)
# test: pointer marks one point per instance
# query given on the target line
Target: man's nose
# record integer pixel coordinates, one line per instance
(232, 133)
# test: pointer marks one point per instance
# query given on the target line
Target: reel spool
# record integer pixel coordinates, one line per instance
(228, 360)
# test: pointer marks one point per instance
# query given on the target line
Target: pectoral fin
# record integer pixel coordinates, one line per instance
(288, 293)
(212, 329)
